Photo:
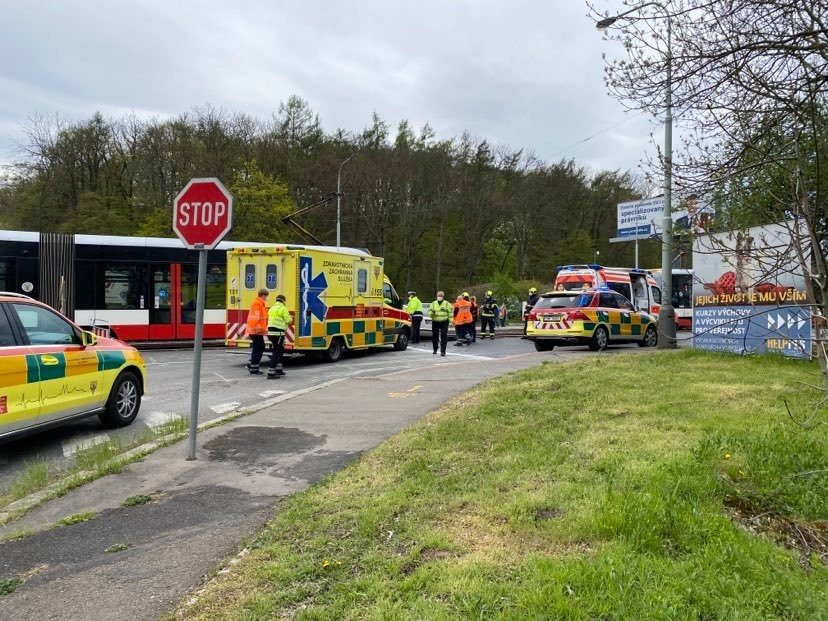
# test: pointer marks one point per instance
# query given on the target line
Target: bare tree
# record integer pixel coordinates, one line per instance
(750, 86)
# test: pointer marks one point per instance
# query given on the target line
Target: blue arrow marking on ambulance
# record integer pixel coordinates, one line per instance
(311, 287)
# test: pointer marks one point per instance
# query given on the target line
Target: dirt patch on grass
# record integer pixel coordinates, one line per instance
(806, 538)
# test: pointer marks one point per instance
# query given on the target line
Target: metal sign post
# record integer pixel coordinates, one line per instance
(202, 216)
(199, 329)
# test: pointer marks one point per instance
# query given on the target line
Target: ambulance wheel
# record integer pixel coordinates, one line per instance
(544, 346)
(334, 351)
(123, 403)
(650, 337)
(600, 339)
(402, 342)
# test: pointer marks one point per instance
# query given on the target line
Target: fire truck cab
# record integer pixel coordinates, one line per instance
(637, 285)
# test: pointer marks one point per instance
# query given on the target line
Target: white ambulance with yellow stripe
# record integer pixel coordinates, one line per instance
(52, 372)
(595, 317)
(340, 299)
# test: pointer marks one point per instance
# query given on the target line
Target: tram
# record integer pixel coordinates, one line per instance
(137, 289)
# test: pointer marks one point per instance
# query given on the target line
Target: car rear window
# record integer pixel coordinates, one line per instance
(562, 300)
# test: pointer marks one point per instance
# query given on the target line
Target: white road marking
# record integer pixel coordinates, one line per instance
(223, 408)
(70, 447)
(221, 376)
(271, 393)
(157, 419)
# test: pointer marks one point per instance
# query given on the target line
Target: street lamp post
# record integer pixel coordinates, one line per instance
(666, 313)
(339, 199)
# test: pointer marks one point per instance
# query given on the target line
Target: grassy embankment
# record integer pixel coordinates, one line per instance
(667, 486)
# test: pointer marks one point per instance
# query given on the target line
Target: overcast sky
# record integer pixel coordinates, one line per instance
(522, 73)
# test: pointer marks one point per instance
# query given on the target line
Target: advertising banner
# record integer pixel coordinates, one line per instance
(644, 218)
(749, 292)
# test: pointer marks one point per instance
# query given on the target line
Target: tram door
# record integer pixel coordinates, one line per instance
(214, 300)
(162, 294)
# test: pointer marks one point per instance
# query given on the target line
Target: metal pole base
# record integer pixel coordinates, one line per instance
(667, 327)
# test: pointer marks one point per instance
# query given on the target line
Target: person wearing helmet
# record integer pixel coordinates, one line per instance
(488, 312)
(278, 319)
(530, 303)
(463, 319)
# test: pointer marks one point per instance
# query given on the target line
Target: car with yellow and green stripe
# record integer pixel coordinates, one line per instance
(53, 372)
(595, 317)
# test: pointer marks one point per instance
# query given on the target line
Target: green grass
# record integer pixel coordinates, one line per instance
(118, 547)
(9, 585)
(78, 518)
(602, 489)
(140, 499)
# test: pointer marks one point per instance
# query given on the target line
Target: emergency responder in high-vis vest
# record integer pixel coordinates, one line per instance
(278, 319)
(415, 309)
(463, 319)
(439, 311)
(488, 312)
(530, 303)
(256, 329)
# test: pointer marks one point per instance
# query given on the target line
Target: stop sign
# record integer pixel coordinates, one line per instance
(202, 213)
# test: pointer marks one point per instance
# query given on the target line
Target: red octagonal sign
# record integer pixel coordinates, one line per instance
(202, 213)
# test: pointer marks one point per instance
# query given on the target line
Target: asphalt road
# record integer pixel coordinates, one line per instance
(227, 387)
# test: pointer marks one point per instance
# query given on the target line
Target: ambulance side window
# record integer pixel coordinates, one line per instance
(43, 327)
(622, 288)
(249, 276)
(270, 276)
(656, 295)
(362, 281)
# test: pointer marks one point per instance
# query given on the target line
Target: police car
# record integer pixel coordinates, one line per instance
(593, 317)
(52, 372)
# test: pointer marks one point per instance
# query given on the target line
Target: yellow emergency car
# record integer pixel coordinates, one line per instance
(594, 317)
(52, 372)
(340, 298)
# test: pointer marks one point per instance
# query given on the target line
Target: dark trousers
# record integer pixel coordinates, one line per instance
(463, 333)
(473, 330)
(257, 348)
(487, 321)
(416, 320)
(278, 341)
(439, 335)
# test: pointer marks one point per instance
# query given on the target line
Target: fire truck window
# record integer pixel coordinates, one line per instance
(270, 276)
(362, 281)
(250, 276)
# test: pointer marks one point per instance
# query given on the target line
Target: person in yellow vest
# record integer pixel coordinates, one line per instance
(463, 319)
(415, 309)
(440, 313)
(256, 329)
(278, 319)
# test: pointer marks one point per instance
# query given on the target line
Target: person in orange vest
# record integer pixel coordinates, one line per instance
(463, 319)
(256, 330)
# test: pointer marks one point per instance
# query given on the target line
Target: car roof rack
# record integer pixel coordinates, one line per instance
(14, 294)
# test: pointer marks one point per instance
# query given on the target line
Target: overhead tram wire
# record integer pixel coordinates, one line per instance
(595, 135)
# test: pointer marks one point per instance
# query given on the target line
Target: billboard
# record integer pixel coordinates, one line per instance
(749, 293)
(644, 218)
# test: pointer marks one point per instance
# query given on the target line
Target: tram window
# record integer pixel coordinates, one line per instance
(216, 290)
(362, 280)
(85, 279)
(270, 276)
(249, 276)
(122, 286)
(6, 283)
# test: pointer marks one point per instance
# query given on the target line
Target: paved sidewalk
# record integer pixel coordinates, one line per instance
(204, 509)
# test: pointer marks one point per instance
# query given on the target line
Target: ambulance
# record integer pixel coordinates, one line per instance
(340, 299)
(637, 285)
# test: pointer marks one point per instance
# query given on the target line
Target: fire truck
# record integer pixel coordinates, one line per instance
(339, 298)
(637, 285)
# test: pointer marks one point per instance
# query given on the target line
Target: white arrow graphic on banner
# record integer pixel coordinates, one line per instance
(770, 321)
(800, 323)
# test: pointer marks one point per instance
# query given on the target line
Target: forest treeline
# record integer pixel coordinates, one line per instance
(444, 213)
